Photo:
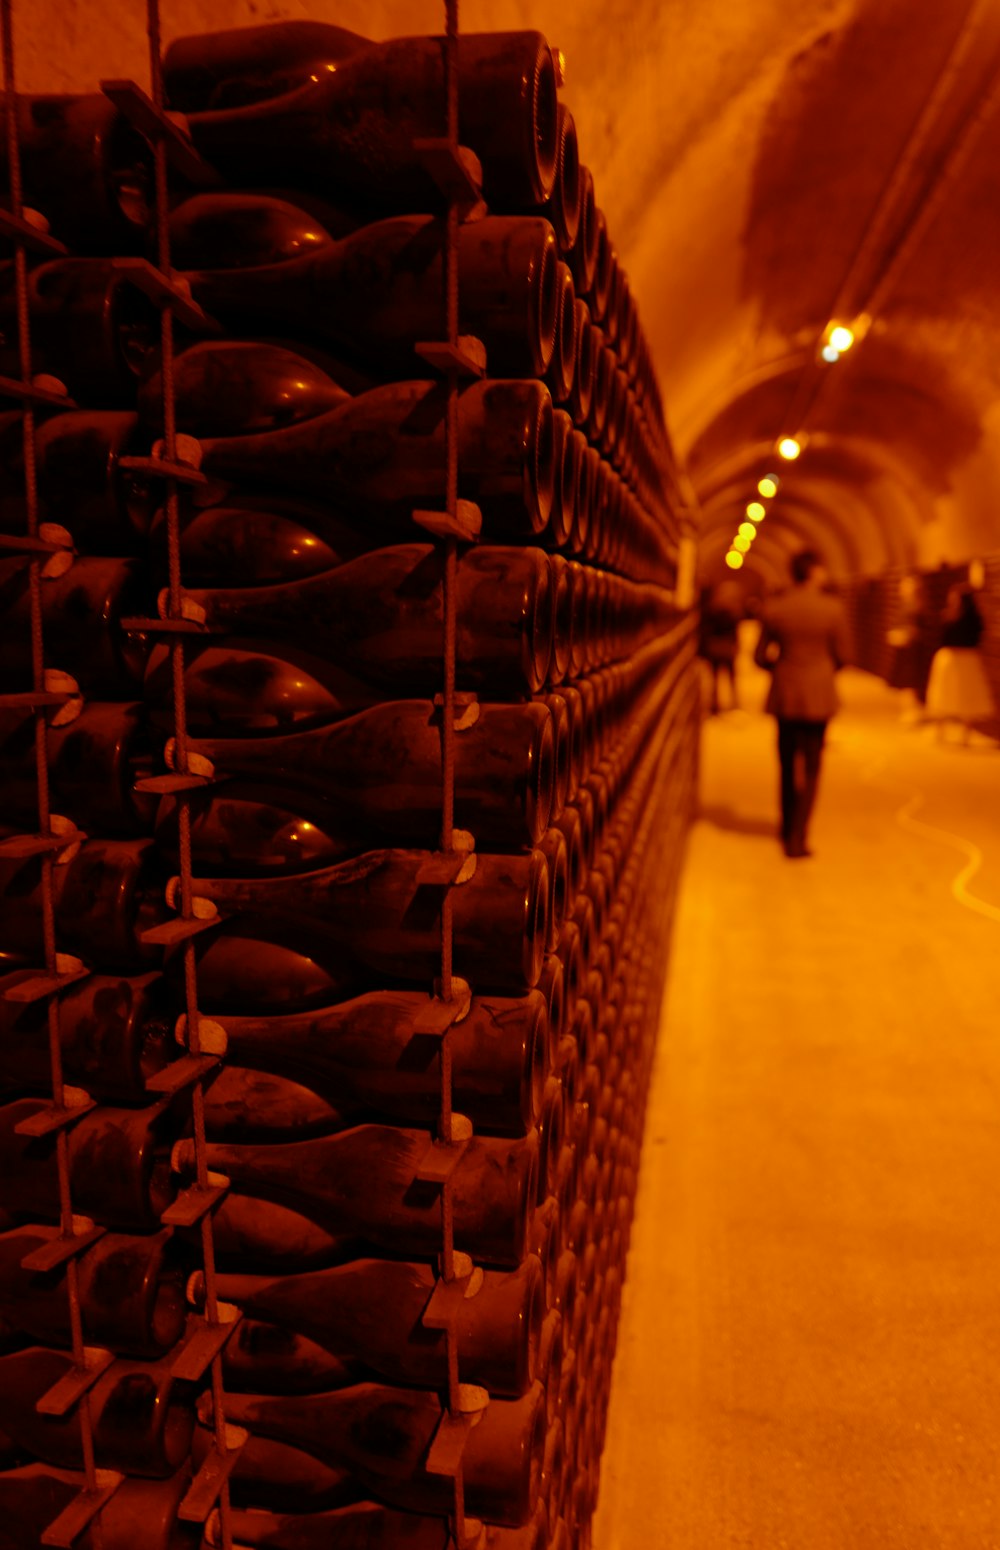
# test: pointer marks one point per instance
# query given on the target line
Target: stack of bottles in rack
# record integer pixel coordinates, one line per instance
(313, 678)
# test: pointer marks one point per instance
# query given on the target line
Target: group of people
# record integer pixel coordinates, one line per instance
(803, 642)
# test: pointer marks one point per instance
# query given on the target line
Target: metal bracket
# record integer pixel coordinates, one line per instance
(455, 169)
(445, 1454)
(211, 1477)
(64, 1531)
(161, 468)
(166, 291)
(442, 1157)
(154, 124)
(57, 1116)
(466, 358)
(438, 1016)
(467, 704)
(205, 1343)
(181, 1073)
(11, 387)
(450, 868)
(68, 971)
(72, 1386)
(194, 1203)
(466, 525)
(448, 1296)
(56, 1251)
(172, 932)
(34, 238)
(167, 785)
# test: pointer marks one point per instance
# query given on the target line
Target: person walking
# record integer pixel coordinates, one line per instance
(721, 612)
(803, 642)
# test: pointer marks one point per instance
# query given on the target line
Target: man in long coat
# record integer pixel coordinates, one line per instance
(803, 642)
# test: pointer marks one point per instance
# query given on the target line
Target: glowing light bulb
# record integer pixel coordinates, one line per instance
(840, 338)
(830, 354)
(748, 530)
(789, 448)
(741, 543)
(767, 486)
(756, 512)
(734, 559)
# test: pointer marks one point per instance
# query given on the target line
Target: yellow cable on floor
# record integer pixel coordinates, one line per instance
(904, 817)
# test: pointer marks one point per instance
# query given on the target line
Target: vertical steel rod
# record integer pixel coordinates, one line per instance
(181, 742)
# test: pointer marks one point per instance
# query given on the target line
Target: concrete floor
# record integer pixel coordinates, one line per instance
(809, 1352)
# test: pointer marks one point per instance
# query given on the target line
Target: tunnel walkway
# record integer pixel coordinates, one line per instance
(810, 1337)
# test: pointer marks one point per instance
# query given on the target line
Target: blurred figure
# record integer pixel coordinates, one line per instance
(721, 612)
(913, 641)
(958, 689)
(803, 642)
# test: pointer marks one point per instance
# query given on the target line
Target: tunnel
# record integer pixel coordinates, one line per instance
(489, 1060)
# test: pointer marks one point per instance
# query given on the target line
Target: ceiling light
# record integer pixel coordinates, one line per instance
(748, 530)
(756, 512)
(830, 354)
(741, 543)
(768, 486)
(734, 559)
(789, 448)
(840, 338)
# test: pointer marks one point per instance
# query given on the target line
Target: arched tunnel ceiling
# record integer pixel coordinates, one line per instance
(758, 168)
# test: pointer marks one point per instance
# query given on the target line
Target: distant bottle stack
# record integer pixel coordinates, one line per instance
(304, 791)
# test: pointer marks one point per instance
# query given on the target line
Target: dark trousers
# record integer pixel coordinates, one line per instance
(800, 750)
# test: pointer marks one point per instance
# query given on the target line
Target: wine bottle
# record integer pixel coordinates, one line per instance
(364, 1526)
(115, 1033)
(502, 1461)
(363, 1183)
(104, 899)
(587, 344)
(118, 1162)
(94, 763)
(265, 965)
(370, 1312)
(534, 1535)
(379, 910)
(262, 1237)
(554, 848)
(140, 1512)
(141, 1426)
(562, 366)
(249, 64)
(250, 541)
(373, 293)
(241, 231)
(381, 615)
(268, 1474)
(252, 687)
(563, 206)
(312, 134)
(131, 1292)
(82, 612)
(262, 1358)
(365, 1054)
(90, 327)
(240, 388)
(81, 481)
(504, 769)
(582, 257)
(86, 170)
(381, 454)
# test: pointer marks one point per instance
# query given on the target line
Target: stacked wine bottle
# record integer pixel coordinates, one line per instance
(305, 776)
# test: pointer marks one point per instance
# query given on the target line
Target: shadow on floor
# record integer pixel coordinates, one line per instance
(721, 817)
